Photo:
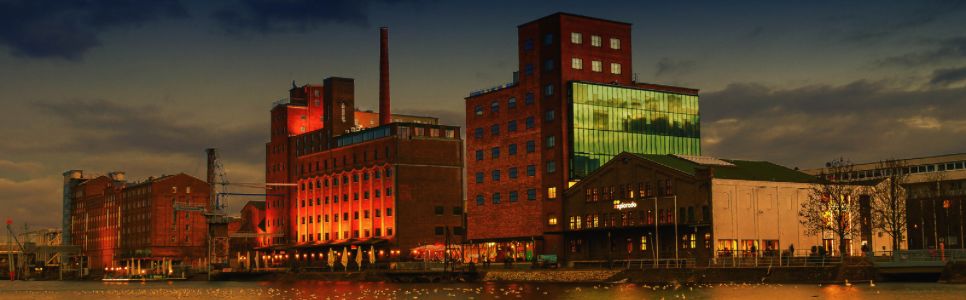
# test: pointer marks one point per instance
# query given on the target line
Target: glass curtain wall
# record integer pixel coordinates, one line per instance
(608, 120)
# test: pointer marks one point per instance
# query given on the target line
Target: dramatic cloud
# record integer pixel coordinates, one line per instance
(268, 16)
(863, 121)
(35, 201)
(105, 127)
(671, 67)
(68, 29)
(921, 14)
(948, 76)
(943, 50)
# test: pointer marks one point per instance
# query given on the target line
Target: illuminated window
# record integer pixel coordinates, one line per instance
(551, 193)
(615, 43)
(552, 220)
(596, 66)
(576, 38)
(643, 243)
(576, 63)
(595, 40)
(615, 68)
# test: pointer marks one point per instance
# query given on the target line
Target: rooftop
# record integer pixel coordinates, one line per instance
(731, 168)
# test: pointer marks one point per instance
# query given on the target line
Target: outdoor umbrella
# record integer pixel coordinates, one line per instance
(331, 259)
(372, 255)
(359, 258)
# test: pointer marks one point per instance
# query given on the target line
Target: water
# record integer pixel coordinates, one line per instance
(503, 291)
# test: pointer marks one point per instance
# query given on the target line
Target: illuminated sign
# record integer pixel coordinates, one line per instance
(620, 205)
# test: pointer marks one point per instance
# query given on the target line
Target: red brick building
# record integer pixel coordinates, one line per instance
(117, 223)
(526, 141)
(389, 181)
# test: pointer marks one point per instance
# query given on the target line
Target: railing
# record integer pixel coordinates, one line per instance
(919, 255)
(773, 261)
(664, 263)
(492, 89)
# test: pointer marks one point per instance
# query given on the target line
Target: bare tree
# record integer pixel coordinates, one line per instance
(936, 194)
(833, 204)
(889, 201)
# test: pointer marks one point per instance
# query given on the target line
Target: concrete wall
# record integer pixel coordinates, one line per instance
(760, 210)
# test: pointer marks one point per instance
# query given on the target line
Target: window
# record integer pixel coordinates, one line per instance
(644, 243)
(551, 141)
(615, 43)
(548, 39)
(478, 133)
(531, 170)
(595, 40)
(495, 107)
(479, 155)
(511, 103)
(531, 194)
(495, 129)
(548, 90)
(548, 65)
(511, 149)
(512, 173)
(438, 230)
(551, 220)
(596, 66)
(495, 175)
(550, 115)
(551, 166)
(615, 68)
(389, 214)
(511, 126)
(529, 122)
(513, 196)
(480, 199)
(551, 193)
(528, 98)
(457, 210)
(528, 44)
(496, 198)
(495, 152)
(479, 110)
(531, 146)
(528, 69)
(479, 177)
(576, 63)
(439, 210)
(576, 38)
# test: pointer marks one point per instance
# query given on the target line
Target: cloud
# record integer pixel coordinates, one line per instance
(35, 201)
(68, 29)
(271, 16)
(106, 127)
(805, 126)
(670, 67)
(13, 169)
(944, 50)
(948, 76)
(923, 13)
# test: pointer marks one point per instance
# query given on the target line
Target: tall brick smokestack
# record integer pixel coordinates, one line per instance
(385, 117)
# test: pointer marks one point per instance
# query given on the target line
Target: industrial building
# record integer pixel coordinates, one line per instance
(676, 208)
(143, 225)
(380, 181)
(935, 189)
(573, 104)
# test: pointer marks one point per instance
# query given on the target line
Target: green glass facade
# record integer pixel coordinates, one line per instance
(608, 120)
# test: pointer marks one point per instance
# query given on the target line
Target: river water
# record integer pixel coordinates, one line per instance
(368, 290)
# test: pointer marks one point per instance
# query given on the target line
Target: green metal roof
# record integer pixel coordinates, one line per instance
(742, 169)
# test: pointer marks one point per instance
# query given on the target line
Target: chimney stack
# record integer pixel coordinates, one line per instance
(385, 117)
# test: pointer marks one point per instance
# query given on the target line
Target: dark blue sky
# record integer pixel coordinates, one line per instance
(144, 86)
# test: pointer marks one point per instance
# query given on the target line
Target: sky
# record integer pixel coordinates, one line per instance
(145, 86)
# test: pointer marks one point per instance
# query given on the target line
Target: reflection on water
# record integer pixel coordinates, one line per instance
(369, 290)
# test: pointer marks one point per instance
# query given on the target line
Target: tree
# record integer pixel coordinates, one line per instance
(889, 201)
(833, 204)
